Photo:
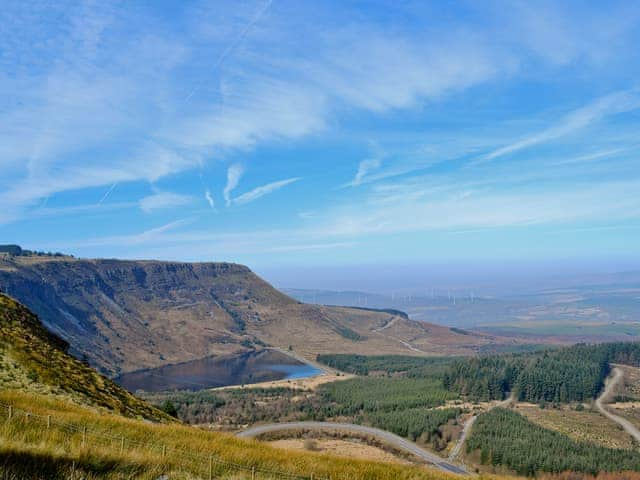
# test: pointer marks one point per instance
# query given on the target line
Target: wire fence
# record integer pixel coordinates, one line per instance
(80, 436)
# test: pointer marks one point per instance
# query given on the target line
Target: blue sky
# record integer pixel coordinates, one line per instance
(287, 133)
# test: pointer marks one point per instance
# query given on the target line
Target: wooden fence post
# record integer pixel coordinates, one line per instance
(84, 436)
(122, 445)
(210, 467)
(164, 451)
(10, 412)
(253, 473)
(48, 422)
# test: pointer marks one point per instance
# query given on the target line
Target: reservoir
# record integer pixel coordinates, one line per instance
(292, 372)
(218, 371)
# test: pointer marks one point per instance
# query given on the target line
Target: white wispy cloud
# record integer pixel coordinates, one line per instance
(145, 237)
(416, 208)
(90, 209)
(234, 174)
(149, 163)
(312, 246)
(566, 35)
(423, 210)
(267, 108)
(77, 91)
(236, 41)
(163, 201)
(364, 168)
(209, 198)
(592, 157)
(106, 194)
(307, 214)
(612, 104)
(263, 190)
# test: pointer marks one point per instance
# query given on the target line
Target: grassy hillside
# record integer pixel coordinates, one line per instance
(151, 450)
(129, 315)
(34, 360)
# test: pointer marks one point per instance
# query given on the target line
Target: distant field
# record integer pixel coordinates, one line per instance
(608, 309)
(573, 328)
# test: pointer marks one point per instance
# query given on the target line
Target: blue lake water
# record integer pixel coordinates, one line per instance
(293, 372)
(218, 371)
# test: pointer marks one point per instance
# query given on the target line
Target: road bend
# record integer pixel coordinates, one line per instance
(611, 383)
(388, 437)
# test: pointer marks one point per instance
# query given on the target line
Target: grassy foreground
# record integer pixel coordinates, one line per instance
(29, 447)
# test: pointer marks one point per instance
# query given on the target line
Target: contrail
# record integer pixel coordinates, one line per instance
(256, 18)
(104, 197)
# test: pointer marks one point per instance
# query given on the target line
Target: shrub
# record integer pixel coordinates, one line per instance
(169, 408)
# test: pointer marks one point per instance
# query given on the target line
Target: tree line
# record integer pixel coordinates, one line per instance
(504, 437)
(365, 365)
(417, 424)
(382, 394)
(562, 375)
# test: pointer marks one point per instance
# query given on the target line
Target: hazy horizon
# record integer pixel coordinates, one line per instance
(439, 279)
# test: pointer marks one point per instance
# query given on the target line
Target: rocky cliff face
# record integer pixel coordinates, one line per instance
(129, 315)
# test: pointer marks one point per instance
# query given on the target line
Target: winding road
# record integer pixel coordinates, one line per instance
(611, 383)
(387, 437)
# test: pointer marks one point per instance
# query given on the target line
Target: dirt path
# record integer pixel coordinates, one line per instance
(390, 323)
(455, 451)
(610, 384)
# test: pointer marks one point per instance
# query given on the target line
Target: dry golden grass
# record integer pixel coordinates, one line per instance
(341, 448)
(627, 392)
(628, 411)
(309, 383)
(312, 330)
